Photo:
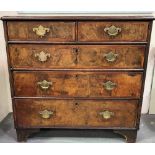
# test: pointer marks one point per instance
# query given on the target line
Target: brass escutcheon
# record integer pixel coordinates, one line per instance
(109, 85)
(42, 56)
(106, 114)
(110, 57)
(112, 30)
(46, 114)
(44, 85)
(40, 30)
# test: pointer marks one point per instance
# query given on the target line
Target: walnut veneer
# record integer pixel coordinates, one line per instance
(84, 73)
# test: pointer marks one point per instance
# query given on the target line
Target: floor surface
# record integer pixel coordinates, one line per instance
(146, 134)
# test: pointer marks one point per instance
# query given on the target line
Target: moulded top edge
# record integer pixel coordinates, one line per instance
(78, 17)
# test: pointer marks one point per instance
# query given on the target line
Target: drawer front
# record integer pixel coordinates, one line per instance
(113, 31)
(71, 113)
(41, 31)
(78, 84)
(70, 56)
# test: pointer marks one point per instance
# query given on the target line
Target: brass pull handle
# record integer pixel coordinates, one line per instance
(106, 114)
(110, 57)
(46, 114)
(44, 85)
(75, 52)
(112, 31)
(42, 56)
(109, 85)
(40, 30)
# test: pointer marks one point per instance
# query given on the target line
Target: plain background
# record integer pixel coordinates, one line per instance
(69, 5)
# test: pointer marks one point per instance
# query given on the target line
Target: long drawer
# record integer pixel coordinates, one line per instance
(78, 84)
(25, 56)
(75, 113)
(112, 31)
(41, 31)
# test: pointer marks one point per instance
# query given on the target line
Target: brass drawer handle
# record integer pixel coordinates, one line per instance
(42, 56)
(40, 30)
(106, 114)
(110, 57)
(109, 85)
(44, 85)
(112, 31)
(46, 114)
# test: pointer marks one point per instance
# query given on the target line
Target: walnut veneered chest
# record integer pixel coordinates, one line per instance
(77, 72)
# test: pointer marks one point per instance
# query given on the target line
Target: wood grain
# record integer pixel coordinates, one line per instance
(75, 113)
(87, 56)
(77, 94)
(131, 31)
(77, 84)
(59, 31)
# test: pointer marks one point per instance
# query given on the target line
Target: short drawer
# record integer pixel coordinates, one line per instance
(112, 31)
(78, 84)
(75, 113)
(41, 31)
(25, 56)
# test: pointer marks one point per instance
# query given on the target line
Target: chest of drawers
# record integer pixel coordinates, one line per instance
(84, 73)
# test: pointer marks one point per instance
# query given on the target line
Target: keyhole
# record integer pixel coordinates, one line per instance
(76, 103)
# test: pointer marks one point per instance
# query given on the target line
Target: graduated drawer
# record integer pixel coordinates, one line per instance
(24, 56)
(75, 113)
(41, 31)
(77, 84)
(112, 31)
